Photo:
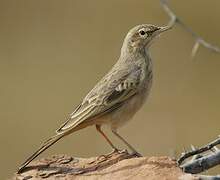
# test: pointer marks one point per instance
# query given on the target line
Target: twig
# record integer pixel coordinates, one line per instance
(174, 19)
(209, 146)
(201, 164)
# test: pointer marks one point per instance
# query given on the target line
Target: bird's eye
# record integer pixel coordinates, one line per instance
(142, 32)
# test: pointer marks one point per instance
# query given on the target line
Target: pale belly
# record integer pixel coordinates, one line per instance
(127, 111)
(120, 116)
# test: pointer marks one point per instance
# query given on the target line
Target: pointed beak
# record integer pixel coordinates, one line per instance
(160, 30)
(163, 29)
(156, 33)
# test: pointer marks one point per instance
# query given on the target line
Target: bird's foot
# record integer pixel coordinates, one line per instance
(114, 151)
(136, 154)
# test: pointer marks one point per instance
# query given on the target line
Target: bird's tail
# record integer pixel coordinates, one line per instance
(42, 148)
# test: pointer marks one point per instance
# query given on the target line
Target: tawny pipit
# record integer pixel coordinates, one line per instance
(118, 95)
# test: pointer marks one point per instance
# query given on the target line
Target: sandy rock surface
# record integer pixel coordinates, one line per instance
(115, 166)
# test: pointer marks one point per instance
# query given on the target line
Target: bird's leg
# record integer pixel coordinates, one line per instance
(98, 128)
(134, 152)
(114, 149)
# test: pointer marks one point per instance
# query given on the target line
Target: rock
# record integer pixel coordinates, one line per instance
(119, 166)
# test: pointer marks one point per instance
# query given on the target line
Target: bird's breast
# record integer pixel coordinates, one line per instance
(123, 114)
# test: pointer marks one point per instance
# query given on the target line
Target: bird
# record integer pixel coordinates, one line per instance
(118, 95)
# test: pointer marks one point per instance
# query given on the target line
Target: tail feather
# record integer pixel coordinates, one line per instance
(42, 148)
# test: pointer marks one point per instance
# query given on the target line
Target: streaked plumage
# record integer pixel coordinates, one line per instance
(118, 95)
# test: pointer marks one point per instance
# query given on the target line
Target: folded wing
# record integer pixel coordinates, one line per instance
(109, 94)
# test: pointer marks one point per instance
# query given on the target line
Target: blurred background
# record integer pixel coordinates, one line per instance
(53, 52)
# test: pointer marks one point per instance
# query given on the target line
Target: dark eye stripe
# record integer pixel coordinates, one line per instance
(150, 32)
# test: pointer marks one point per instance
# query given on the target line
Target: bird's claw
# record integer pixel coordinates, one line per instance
(136, 154)
(114, 151)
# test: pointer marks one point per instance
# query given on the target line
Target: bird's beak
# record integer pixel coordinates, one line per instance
(158, 32)
(163, 29)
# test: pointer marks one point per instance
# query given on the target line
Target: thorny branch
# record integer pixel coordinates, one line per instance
(174, 19)
(201, 162)
(211, 146)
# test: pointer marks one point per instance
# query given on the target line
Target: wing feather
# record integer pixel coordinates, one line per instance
(105, 97)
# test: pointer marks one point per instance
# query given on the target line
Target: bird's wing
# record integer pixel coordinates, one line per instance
(109, 94)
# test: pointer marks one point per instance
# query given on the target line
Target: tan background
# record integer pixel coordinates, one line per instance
(53, 52)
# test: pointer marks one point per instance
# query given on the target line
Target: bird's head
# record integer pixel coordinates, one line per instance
(141, 36)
